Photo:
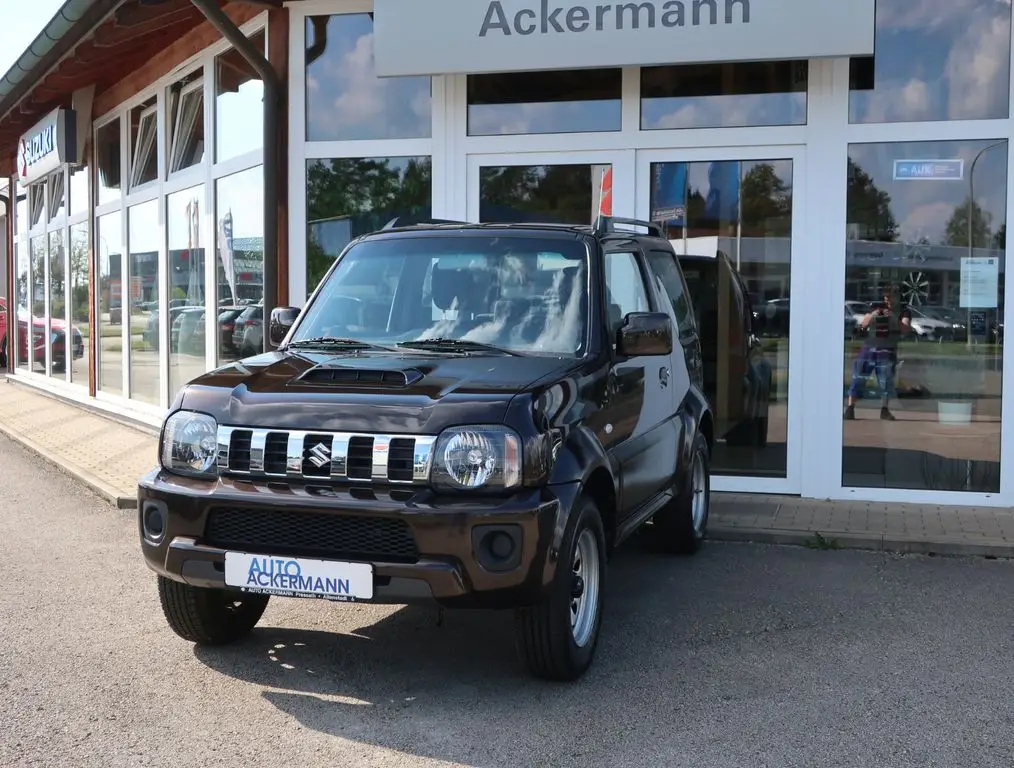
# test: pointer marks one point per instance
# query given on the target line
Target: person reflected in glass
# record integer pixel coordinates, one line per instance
(883, 328)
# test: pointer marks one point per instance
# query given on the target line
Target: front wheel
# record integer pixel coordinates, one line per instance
(682, 523)
(209, 616)
(557, 638)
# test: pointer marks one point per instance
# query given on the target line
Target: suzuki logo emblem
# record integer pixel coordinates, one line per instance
(320, 455)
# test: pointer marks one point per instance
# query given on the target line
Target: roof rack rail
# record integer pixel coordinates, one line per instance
(604, 224)
(410, 221)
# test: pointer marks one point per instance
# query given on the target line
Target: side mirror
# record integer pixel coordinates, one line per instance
(645, 333)
(282, 320)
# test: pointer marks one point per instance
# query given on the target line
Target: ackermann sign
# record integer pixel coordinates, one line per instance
(472, 36)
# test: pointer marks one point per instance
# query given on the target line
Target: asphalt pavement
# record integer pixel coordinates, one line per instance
(744, 655)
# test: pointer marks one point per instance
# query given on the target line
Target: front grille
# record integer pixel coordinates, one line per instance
(298, 534)
(336, 456)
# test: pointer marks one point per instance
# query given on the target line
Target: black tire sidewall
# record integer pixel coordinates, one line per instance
(699, 450)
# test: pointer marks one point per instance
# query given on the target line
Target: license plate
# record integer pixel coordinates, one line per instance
(299, 577)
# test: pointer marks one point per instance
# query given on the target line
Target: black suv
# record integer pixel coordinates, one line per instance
(475, 414)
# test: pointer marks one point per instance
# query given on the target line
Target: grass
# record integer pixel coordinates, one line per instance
(820, 542)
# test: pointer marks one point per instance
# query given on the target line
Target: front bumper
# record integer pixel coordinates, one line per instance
(445, 534)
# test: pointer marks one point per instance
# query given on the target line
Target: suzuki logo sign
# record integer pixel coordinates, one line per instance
(47, 146)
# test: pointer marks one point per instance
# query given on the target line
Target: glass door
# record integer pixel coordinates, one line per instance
(733, 217)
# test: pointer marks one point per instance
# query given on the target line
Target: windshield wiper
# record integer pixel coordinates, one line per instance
(324, 342)
(456, 345)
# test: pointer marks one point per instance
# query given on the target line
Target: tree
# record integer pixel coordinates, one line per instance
(1000, 238)
(766, 203)
(956, 231)
(869, 206)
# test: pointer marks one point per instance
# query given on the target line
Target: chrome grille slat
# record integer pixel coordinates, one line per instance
(316, 456)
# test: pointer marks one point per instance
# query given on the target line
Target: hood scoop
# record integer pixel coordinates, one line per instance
(340, 376)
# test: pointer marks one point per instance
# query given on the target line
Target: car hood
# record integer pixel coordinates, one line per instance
(366, 392)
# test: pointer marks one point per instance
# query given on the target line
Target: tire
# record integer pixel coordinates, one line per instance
(209, 616)
(682, 524)
(3, 353)
(552, 647)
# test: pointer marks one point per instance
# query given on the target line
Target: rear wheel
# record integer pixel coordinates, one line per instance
(209, 616)
(557, 638)
(681, 524)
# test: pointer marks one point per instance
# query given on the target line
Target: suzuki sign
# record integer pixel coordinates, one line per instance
(412, 37)
(48, 146)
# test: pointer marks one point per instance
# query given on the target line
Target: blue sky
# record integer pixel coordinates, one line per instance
(20, 22)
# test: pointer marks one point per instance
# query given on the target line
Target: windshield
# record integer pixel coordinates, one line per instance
(521, 294)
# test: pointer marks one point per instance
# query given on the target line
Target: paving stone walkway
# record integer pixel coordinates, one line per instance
(109, 455)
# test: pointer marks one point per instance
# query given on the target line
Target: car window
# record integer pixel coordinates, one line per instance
(667, 273)
(524, 294)
(625, 291)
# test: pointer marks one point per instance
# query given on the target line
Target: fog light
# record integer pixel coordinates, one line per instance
(497, 547)
(153, 519)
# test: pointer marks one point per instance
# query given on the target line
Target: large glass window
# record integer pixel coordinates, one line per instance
(924, 277)
(351, 196)
(107, 152)
(141, 301)
(21, 220)
(239, 104)
(567, 194)
(22, 306)
(184, 211)
(240, 259)
(345, 100)
(731, 225)
(724, 95)
(81, 332)
(185, 116)
(566, 101)
(935, 60)
(110, 290)
(56, 341)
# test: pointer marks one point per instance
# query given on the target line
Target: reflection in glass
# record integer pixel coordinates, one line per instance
(724, 95)
(140, 301)
(924, 262)
(36, 311)
(56, 341)
(565, 101)
(935, 60)
(21, 311)
(78, 189)
(186, 287)
(345, 100)
(240, 260)
(107, 150)
(81, 331)
(731, 225)
(349, 197)
(567, 194)
(239, 107)
(110, 302)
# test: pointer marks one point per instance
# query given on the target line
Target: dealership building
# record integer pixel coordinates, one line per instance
(179, 167)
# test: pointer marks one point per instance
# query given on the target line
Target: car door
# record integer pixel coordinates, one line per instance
(640, 433)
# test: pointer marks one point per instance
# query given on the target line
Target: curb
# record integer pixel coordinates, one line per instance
(102, 488)
(879, 543)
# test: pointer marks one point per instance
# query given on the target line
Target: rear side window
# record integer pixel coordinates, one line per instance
(666, 272)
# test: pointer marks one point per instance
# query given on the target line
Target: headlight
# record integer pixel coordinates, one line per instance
(470, 458)
(190, 444)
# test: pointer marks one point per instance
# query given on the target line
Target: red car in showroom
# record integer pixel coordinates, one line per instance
(58, 337)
